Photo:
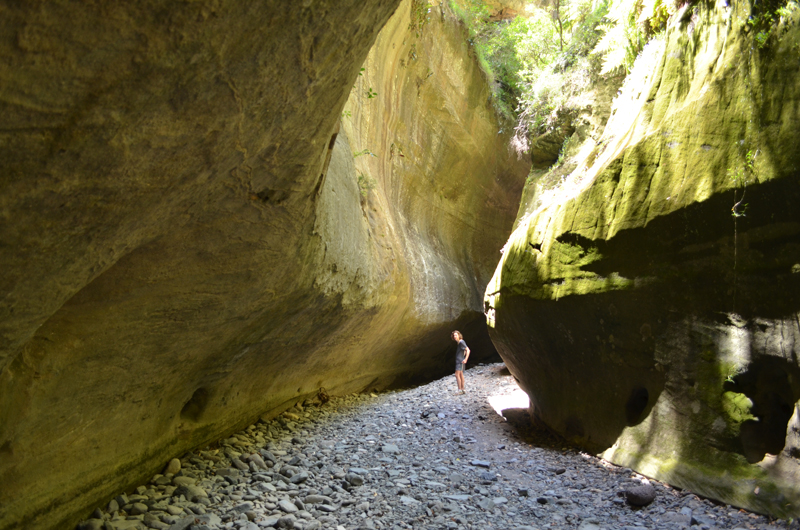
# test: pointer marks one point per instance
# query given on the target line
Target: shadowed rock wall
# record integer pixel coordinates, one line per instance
(643, 318)
(184, 243)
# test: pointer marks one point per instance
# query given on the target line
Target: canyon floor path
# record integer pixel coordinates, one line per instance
(424, 458)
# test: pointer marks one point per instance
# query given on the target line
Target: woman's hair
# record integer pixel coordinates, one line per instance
(460, 336)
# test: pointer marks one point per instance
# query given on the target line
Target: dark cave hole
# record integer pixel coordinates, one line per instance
(194, 408)
(636, 405)
(768, 382)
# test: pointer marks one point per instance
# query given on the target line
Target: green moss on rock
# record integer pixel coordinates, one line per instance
(639, 243)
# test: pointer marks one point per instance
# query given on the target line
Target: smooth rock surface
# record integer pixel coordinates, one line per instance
(185, 245)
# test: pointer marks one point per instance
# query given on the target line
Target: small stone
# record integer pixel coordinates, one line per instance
(287, 521)
(499, 500)
(211, 519)
(157, 525)
(269, 522)
(269, 456)
(390, 448)
(243, 507)
(299, 478)
(481, 463)
(674, 517)
(191, 492)
(138, 508)
(354, 480)
(113, 506)
(183, 524)
(238, 464)
(258, 461)
(173, 467)
(524, 492)
(488, 477)
(227, 472)
(486, 504)
(458, 498)
(640, 495)
(92, 524)
(183, 481)
(317, 499)
(287, 506)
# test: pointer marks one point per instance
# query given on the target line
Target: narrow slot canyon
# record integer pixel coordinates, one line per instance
(236, 238)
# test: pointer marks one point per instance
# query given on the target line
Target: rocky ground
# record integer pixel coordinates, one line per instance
(421, 458)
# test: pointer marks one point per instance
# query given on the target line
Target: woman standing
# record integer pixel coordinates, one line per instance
(462, 354)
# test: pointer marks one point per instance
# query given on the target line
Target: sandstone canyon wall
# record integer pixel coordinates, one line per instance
(184, 242)
(647, 312)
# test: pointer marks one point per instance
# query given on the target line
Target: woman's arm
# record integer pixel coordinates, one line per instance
(466, 353)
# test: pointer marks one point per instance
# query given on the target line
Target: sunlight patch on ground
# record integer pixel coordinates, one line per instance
(517, 399)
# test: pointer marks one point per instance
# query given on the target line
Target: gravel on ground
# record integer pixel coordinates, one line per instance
(423, 458)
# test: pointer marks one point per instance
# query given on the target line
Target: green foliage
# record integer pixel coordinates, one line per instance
(371, 93)
(764, 18)
(347, 114)
(506, 50)
(551, 88)
(539, 64)
(564, 150)
(363, 152)
(365, 183)
(419, 16)
(741, 176)
(630, 25)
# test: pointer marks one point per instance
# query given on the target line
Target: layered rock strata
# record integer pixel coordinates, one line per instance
(184, 242)
(648, 301)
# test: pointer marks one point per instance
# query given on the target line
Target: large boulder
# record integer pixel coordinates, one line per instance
(185, 246)
(647, 312)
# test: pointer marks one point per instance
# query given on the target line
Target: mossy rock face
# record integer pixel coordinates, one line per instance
(645, 320)
(184, 243)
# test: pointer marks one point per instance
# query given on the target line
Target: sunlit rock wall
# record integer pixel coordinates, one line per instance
(183, 239)
(646, 320)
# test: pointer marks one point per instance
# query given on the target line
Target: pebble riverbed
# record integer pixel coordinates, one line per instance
(424, 458)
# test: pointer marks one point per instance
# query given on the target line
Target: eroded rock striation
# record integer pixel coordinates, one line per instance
(647, 312)
(184, 242)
